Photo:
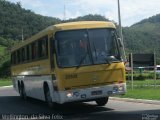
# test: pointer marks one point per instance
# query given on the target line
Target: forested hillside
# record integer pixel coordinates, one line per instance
(142, 37)
(14, 19)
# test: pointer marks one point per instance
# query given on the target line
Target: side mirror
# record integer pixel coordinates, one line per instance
(120, 42)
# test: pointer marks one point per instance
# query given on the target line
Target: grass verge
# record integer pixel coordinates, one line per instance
(150, 93)
(143, 90)
(5, 82)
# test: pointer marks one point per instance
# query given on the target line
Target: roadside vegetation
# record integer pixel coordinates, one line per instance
(5, 82)
(143, 93)
(144, 86)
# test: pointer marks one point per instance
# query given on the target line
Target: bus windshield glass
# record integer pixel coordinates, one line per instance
(86, 47)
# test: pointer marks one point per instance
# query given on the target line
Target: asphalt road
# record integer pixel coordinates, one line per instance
(12, 107)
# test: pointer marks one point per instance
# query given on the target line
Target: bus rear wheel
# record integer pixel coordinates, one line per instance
(22, 92)
(102, 101)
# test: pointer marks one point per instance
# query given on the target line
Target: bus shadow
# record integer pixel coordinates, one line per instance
(15, 105)
(70, 108)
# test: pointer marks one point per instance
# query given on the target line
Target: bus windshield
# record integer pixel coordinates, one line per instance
(86, 47)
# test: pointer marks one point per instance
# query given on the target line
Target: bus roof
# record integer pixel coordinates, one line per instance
(66, 26)
(84, 24)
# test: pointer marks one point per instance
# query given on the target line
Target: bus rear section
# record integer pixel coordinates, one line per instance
(89, 65)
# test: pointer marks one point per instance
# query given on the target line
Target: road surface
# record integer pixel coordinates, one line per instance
(12, 107)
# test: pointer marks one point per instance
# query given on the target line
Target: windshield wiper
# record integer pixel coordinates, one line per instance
(95, 50)
(83, 58)
(87, 53)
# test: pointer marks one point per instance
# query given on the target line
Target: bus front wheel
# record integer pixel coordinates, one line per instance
(48, 98)
(102, 101)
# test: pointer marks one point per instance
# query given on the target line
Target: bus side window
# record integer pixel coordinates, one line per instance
(34, 49)
(18, 56)
(40, 48)
(43, 47)
(23, 54)
(27, 53)
(13, 57)
(30, 51)
(46, 46)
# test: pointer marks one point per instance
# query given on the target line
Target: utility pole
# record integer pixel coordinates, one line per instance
(120, 30)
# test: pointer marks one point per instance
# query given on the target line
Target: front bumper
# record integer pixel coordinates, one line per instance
(91, 93)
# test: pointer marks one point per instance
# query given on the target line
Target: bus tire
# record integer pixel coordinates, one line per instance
(102, 101)
(48, 98)
(22, 91)
(19, 86)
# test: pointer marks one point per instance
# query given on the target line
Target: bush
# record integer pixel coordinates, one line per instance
(140, 76)
(5, 69)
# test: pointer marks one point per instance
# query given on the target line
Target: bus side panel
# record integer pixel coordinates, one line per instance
(34, 85)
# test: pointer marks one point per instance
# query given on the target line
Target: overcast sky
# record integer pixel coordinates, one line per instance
(132, 11)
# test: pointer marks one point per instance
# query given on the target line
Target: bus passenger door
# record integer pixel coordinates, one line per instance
(52, 65)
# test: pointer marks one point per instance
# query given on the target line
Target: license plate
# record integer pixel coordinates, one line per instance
(99, 92)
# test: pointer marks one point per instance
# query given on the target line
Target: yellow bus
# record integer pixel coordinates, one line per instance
(69, 62)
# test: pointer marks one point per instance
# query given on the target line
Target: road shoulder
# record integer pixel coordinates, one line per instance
(156, 102)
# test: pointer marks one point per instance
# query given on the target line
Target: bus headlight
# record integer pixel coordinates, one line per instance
(121, 88)
(69, 94)
(72, 94)
(117, 89)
